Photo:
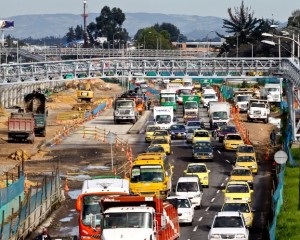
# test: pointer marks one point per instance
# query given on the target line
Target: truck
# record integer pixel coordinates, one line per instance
(241, 99)
(258, 110)
(87, 203)
(125, 110)
(35, 103)
(151, 174)
(21, 127)
(208, 95)
(190, 107)
(219, 113)
(138, 218)
(168, 98)
(164, 116)
(272, 92)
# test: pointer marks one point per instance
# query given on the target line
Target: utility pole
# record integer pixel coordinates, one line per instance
(85, 15)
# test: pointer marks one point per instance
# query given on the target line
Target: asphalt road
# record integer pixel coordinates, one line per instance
(64, 221)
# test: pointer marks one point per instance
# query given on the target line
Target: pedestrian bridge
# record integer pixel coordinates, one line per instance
(22, 78)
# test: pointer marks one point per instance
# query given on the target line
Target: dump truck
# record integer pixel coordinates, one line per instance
(21, 127)
(190, 107)
(35, 103)
(125, 110)
(138, 218)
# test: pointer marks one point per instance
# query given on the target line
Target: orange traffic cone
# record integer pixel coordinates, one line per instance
(66, 185)
(122, 149)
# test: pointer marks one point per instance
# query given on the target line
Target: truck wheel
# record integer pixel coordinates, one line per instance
(266, 120)
(43, 133)
(133, 121)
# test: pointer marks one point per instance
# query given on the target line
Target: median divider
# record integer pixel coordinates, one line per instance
(138, 126)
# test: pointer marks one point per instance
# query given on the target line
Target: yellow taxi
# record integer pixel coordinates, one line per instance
(242, 174)
(200, 170)
(245, 150)
(240, 206)
(237, 190)
(200, 135)
(162, 133)
(253, 73)
(232, 141)
(247, 161)
(161, 141)
(149, 132)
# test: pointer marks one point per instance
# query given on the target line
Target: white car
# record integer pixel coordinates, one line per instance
(228, 225)
(185, 209)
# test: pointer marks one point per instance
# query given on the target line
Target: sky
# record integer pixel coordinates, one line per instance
(278, 10)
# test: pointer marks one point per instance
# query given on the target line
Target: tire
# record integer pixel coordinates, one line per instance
(133, 121)
(43, 133)
(266, 120)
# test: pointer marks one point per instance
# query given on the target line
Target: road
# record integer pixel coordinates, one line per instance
(78, 154)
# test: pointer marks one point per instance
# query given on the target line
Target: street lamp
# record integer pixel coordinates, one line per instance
(114, 43)
(207, 42)
(145, 39)
(17, 43)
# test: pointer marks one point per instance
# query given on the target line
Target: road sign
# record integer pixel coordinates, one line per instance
(280, 157)
(111, 137)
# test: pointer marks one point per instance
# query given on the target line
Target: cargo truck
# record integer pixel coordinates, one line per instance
(190, 107)
(138, 218)
(272, 92)
(21, 127)
(125, 110)
(164, 116)
(87, 203)
(35, 103)
(219, 114)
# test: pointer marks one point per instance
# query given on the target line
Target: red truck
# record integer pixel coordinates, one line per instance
(21, 127)
(138, 218)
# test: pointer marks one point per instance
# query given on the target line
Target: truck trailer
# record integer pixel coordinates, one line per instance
(164, 116)
(219, 113)
(190, 107)
(139, 218)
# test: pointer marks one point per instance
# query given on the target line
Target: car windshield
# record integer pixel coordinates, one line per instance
(241, 172)
(245, 159)
(210, 96)
(228, 222)
(228, 129)
(220, 115)
(177, 127)
(237, 188)
(159, 141)
(190, 105)
(163, 119)
(91, 207)
(243, 98)
(193, 124)
(236, 207)
(160, 133)
(196, 169)
(187, 187)
(233, 137)
(155, 149)
(190, 130)
(247, 149)
(183, 203)
(151, 129)
(201, 134)
(258, 105)
(202, 144)
(124, 104)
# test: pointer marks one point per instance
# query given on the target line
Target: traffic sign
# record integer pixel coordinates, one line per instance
(111, 137)
(280, 157)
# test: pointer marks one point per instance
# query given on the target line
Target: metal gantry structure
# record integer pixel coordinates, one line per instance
(160, 67)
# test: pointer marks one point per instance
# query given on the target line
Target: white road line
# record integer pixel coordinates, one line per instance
(219, 152)
(226, 179)
(206, 209)
(195, 228)
(227, 161)
(218, 191)
(200, 219)
(212, 200)
(222, 184)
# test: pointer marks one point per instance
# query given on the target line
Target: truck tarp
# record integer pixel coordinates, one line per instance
(186, 98)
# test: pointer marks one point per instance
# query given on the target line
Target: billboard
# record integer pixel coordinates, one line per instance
(5, 24)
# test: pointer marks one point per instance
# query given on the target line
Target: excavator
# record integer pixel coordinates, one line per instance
(85, 93)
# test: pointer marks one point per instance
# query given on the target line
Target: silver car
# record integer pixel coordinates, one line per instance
(189, 134)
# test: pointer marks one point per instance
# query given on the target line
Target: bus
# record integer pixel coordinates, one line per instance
(87, 203)
(168, 98)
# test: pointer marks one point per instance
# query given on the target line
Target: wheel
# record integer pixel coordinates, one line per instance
(43, 133)
(133, 121)
(266, 120)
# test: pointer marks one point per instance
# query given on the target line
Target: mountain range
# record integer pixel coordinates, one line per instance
(43, 25)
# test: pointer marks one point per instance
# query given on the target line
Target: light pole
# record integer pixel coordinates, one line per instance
(17, 43)
(207, 42)
(145, 39)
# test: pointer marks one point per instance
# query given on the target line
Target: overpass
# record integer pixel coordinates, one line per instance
(43, 74)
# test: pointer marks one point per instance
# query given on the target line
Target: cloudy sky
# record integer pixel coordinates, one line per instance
(278, 9)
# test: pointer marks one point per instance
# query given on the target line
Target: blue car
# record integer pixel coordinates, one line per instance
(177, 131)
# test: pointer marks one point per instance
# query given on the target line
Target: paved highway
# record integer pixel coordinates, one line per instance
(181, 155)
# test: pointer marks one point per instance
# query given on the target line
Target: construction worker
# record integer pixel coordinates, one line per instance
(273, 137)
(149, 102)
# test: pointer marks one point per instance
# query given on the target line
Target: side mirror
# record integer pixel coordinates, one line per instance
(223, 191)
(251, 191)
(208, 171)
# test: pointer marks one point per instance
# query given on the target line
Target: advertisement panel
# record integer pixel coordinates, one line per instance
(4, 24)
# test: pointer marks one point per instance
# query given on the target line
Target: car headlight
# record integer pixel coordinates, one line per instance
(249, 181)
(240, 236)
(172, 133)
(210, 154)
(205, 178)
(215, 236)
(116, 112)
(254, 166)
(245, 199)
(247, 218)
(196, 196)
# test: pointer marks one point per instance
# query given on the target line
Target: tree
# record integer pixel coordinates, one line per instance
(244, 28)
(78, 32)
(294, 20)
(108, 24)
(71, 35)
(170, 28)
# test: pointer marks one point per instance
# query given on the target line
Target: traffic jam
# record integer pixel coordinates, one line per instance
(162, 196)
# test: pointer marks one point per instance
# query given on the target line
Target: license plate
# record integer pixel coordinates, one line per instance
(203, 157)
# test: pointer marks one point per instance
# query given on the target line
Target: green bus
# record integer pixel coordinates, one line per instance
(168, 98)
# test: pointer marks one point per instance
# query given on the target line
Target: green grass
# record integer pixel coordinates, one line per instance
(288, 220)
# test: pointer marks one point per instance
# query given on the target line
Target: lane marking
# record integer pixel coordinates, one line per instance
(227, 161)
(226, 179)
(218, 191)
(200, 219)
(212, 200)
(219, 152)
(195, 228)
(206, 209)
(222, 184)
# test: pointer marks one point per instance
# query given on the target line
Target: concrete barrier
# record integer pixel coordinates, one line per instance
(137, 127)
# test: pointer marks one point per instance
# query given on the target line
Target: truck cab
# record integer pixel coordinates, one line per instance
(164, 116)
(125, 110)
